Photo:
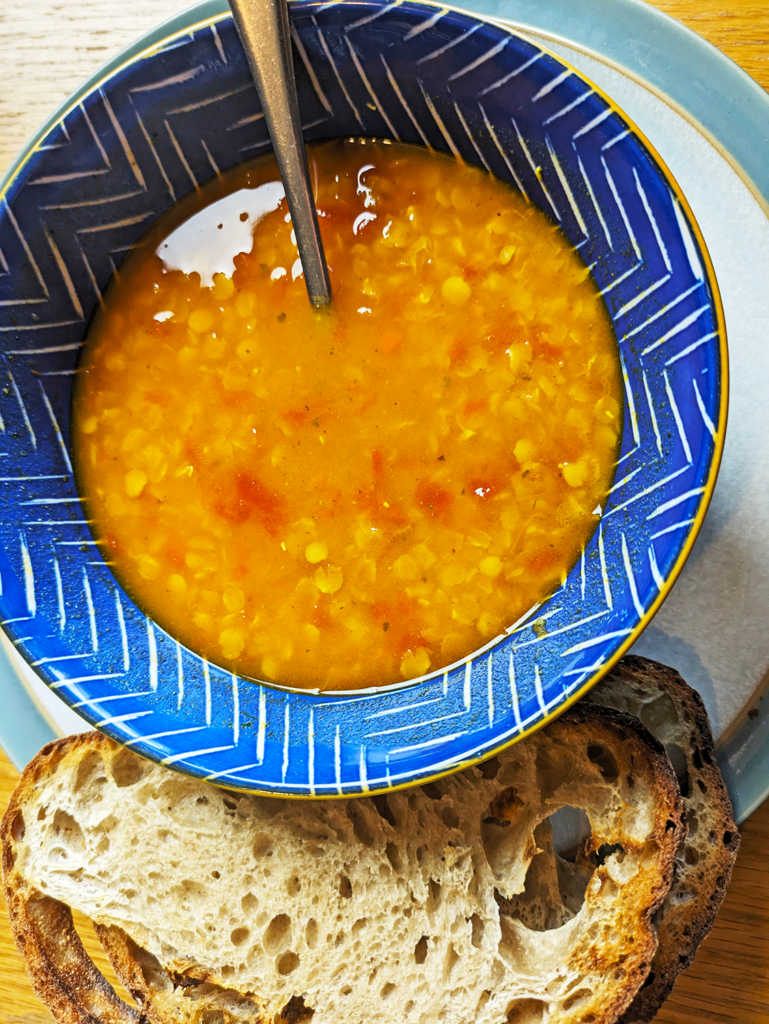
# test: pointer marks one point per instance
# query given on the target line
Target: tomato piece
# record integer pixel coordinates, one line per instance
(296, 416)
(269, 507)
(543, 560)
(391, 515)
(320, 616)
(233, 511)
(245, 496)
(476, 405)
(434, 499)
(488, 483)
(458, 351)
(175, 554)
(399, 612)
(389, 342)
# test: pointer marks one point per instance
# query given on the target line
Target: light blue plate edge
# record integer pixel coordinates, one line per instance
(725, 100)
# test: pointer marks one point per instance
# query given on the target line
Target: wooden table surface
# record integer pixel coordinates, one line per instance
(47, 47)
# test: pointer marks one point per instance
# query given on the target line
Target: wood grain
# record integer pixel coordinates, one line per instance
(739, 28)
(47, 48)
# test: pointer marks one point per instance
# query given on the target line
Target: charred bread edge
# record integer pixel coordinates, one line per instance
(130, 963)
(62, 974)
(665, 969)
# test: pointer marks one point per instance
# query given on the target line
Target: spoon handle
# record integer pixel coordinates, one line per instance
(264, 32)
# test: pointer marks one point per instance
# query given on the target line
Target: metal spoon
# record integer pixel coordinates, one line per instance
(264, 32)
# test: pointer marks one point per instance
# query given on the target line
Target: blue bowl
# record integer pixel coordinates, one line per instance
(155, 124)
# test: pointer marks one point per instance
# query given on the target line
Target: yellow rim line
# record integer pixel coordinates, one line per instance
(718, 440)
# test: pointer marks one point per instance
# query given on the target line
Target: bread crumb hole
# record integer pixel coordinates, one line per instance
(578, 998)
(345, 887)
(477, 930)
(212, 1017)
(382, 805)
(18, 828)
(603, 853)
(483, 998)
(190, 886)
(561, 841)
(295, 1012)
(277, 935)
(239, 935)
(90, 766)
(360, 826)
(571, 831)
(249, 903)
(262, 847)
(604, 760)
(450, 817)
(311, 933)
(394, 857)
(66, 828)
(680, 767)
(499, 840)
(420, 950)
(387, 990)
(266, 807)
(435, 892)
(452, 959)
(127, 768)
(526, 1011)
(490, 769)
(294, 885)
(288, 962)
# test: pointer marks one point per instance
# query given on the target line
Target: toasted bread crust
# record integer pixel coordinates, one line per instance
(706, 857)
(70, 984)
(172, 999)
(61, 972)
(668, 832)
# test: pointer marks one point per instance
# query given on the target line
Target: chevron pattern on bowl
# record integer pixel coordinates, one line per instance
(162, 121)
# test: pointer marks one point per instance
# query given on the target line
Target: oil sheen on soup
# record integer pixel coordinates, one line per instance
(353, 496)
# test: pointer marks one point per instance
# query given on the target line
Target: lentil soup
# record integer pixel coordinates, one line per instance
(354, 496)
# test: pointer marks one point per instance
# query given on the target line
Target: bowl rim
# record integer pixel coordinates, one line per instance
(207, 14)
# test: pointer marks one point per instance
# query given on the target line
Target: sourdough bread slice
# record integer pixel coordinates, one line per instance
(418, 906)
(674, 713)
